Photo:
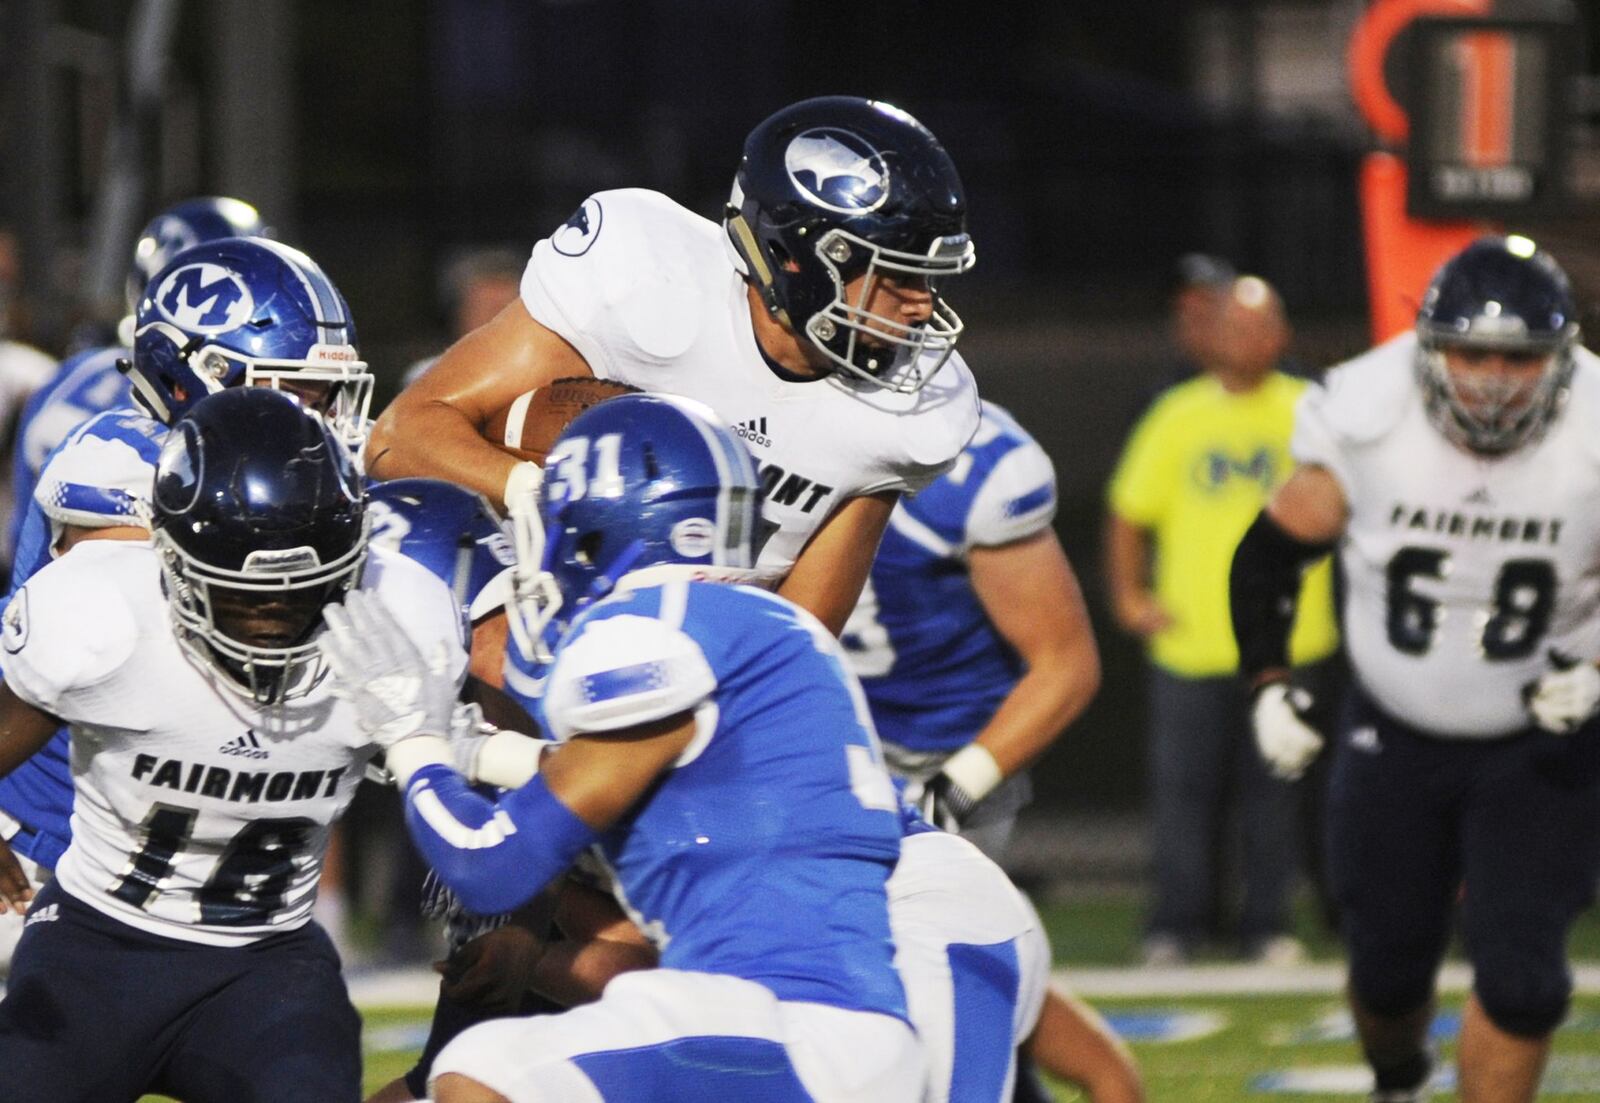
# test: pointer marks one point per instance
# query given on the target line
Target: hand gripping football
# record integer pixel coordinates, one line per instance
(530, 425)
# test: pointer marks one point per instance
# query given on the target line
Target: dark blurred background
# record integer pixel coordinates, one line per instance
(1098, 141)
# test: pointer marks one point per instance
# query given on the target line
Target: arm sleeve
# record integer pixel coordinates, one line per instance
(495, 855)
(1263, 588)
(623, 671)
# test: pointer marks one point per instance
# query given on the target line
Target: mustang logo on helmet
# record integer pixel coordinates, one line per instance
(204, 298)
(838, 171)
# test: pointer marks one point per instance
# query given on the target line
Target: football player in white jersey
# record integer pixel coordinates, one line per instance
(174, 950)
(811, 321)
(1455, 468)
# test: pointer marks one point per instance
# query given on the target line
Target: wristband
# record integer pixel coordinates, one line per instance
(508, 759)
(408, 756)
(974, 769)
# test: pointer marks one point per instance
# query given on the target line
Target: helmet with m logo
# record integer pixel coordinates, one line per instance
(248, 311)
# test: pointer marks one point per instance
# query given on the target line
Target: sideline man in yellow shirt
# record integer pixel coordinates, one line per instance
(1195, 472)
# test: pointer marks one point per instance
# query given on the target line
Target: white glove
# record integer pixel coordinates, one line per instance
(397, 693)
(1285, 740)
(1567, 696)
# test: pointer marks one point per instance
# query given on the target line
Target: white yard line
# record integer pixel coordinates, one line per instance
(399, 987)
(1245, 980)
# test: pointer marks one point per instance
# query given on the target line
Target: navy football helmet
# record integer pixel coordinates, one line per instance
(836, 187)
(184, 225)
(452, 531)
(248, 311)
(1499, 295)
(646, 487)
(259, 520)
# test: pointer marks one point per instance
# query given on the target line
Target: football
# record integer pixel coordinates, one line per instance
(531, 423)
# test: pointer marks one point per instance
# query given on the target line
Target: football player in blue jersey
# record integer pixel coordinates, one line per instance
(89, 382)
(974, 647)
(224, 313)
(709, 740)
(971, 638)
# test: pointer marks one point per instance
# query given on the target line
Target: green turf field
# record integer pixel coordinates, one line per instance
(1218, 1049)
(1196, 1049)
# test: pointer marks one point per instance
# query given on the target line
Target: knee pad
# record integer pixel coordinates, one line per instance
(1522, 993)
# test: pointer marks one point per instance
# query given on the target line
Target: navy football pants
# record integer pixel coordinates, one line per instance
(98, 1012)
(1510, 827)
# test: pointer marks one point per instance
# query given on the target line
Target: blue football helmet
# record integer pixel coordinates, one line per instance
(251, 312)
(259, 520)
(834, 187)
(184, 225)
(1498, 295)
(642, 487)
(452, 531)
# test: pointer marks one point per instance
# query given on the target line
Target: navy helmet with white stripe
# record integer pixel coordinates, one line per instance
(638, 489)
(259, 520)
(248, 311)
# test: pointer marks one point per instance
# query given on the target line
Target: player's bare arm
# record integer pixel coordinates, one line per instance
(601, 943)
(1031, 594)
(826, 580)
(434, 427)
(600, 776)
(23, 730)
(1310, 506)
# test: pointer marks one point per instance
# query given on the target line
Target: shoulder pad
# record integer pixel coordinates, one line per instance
(623, 279)
(930, 428)
(71, 625)
(621, 671)
(97, 474)
(1361, 400)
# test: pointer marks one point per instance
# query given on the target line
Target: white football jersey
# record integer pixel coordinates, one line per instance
(197, 814)
(1462, 571)
(646, 292)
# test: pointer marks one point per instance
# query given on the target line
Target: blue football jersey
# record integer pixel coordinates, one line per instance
(933, 666)
(84, 385)
(765, 852)
(92, 477)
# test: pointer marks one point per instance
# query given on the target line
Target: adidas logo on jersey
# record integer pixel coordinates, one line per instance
(47, 914)
(754, 431)
(247, 745)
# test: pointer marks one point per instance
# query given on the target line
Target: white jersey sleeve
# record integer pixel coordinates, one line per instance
(65, 632)
(623, 671)
(618, 281)
(1357, 404)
